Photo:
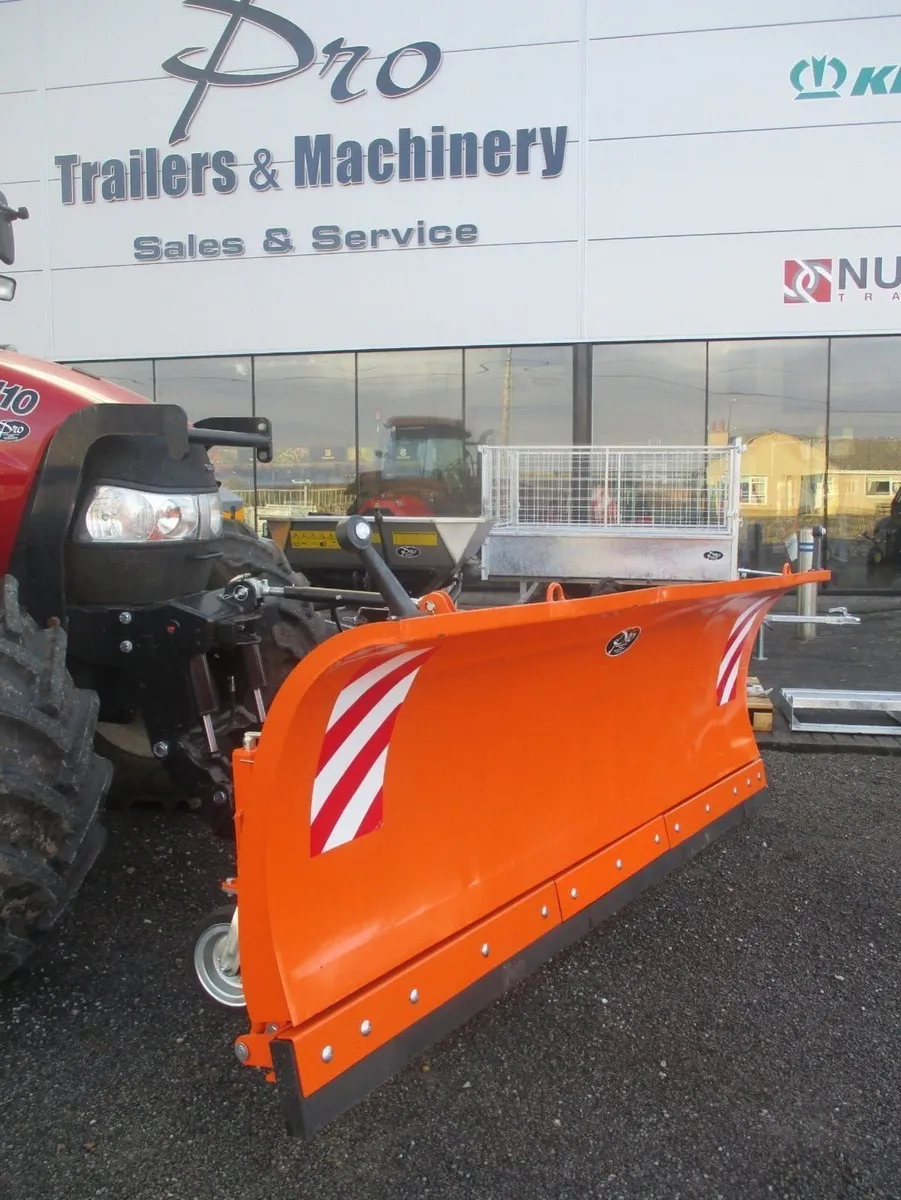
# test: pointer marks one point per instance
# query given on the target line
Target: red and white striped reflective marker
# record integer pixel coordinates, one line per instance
(347, 790)
(727, 676)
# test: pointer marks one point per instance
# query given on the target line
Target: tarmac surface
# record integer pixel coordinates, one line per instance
(733, 1033)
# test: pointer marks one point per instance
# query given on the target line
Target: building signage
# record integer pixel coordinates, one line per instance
(207, 75)
(824, 280)
(312, 159)
(827, 78)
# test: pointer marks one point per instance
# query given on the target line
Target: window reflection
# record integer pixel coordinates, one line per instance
(516, 396)
(420, 415)
(213, 387)
(864, 516)
(309, 398)
(772, 394)
(520, 395)
(134, 374)
(649, 395)
(413, 452)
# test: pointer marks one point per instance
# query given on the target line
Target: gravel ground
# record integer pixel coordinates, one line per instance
(734, 1033)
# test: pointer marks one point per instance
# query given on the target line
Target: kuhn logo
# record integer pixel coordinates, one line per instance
(207, 75)
(824, 78)
(823, 280)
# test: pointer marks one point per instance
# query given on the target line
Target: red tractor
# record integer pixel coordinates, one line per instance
(124, 665)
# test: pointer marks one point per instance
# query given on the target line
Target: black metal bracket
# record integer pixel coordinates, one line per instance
(252, 432)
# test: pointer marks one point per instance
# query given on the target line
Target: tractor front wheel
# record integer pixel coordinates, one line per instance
(52, 785)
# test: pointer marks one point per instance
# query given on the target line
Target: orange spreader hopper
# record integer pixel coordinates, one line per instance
(437, 805)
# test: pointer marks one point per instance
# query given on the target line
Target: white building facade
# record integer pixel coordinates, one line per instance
(596, 220)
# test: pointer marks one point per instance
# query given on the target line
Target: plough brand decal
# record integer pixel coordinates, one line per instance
(347, 790)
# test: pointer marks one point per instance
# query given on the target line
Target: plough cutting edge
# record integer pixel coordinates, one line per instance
(436, 805)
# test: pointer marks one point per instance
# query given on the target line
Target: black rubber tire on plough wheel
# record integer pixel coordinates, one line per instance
(289, 631)
(52, 784)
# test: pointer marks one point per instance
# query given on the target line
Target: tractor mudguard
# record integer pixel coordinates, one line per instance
(436, 805)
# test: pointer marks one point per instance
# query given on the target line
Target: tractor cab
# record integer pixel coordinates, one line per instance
(426, 466)
(8, 244)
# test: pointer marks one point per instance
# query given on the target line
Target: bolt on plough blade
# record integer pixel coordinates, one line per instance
(437, 805)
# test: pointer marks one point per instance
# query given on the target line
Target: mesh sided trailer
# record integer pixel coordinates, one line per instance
(642, 513)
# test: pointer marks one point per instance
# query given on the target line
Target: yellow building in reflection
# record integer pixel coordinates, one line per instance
(787, 482)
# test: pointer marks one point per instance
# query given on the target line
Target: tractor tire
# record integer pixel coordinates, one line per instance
(289, 631)
(52, 785)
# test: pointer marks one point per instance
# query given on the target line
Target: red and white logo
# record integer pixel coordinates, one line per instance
(807, 281)
(347, 791)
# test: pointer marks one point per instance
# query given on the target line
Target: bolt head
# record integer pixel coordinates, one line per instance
(125, 618)
(327, 1053)
(486, 949)
(272, 1027)
(414, 996)
(241, 592)
(657, 839)
(619, 864)
(574, 892)
(242, 1051)
(545, 911)
(366, 1028)
(160, 749)
(361, 529)
(748, 782)
(677, 828)
(126, 647)
(706, 808)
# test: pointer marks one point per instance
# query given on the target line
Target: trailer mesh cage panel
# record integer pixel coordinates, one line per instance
(614, 487)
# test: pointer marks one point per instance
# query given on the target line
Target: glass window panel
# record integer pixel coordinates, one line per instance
(213, 387)
(136, 374)
(863, 518)
(309, 398)
(772, 394)
(649, 395)
(413, 456)
(520, 395)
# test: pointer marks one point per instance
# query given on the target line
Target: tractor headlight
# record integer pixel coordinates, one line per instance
(119, 514)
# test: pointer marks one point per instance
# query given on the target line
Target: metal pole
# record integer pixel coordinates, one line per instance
(807, 592)
(760, 656)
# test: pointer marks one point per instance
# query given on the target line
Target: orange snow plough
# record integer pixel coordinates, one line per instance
(386, 896)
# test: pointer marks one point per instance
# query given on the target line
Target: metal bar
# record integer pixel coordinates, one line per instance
(328, 597)
(799, 726)
(844, 700)
(228, 437)
(840, 618)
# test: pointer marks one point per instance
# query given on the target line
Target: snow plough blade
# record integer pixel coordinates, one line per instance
(437, 805)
